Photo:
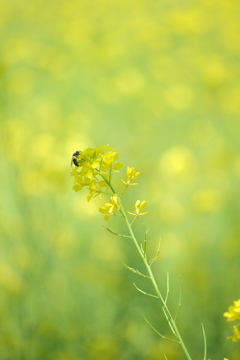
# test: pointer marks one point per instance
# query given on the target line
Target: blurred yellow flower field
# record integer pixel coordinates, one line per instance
(158, 81)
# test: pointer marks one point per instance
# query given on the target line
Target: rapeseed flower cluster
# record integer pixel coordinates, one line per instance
(93, 169)
(233, 314)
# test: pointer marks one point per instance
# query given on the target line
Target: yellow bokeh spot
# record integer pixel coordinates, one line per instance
(106, 90)
(78, 33)
(81, 211)
(230, 102)
(16, 135)
(179, 96)
(174, 242)
(34, 183)
(21, 81)
(207, 200)
(177, 160)
(187, 22)
(215, 72)
(43, 146)
(171, 211)
(161, 66)
(130, 81)
(10, 280)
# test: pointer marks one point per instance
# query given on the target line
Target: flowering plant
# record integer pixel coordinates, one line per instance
(233, 314)
(93, 169)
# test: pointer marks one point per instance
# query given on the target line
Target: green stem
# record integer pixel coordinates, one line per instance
(108, 182)
(169, 317)
(167, 313)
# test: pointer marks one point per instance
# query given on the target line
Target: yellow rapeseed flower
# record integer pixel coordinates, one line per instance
(110, 208)
(94, 189)
(139, 205)
(233, 312)
(108, 161)
(236, 334)
(132, 174)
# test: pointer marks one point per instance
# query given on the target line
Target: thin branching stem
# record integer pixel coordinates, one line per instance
(143, 292)
(115, 233)
(168, 315)
(180, 299)
(135, 217)
(204, 343)
(144, 247)
(157, 332)
(167, 293)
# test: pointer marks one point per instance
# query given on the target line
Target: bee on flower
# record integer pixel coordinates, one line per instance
(75, 157)
(93, 169)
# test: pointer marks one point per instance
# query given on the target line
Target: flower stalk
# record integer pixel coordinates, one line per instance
(167, 313)
(94, 169)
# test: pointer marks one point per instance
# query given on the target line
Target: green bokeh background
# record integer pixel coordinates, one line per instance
(159, 81)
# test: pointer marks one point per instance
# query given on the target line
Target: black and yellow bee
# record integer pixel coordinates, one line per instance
(75, 157)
